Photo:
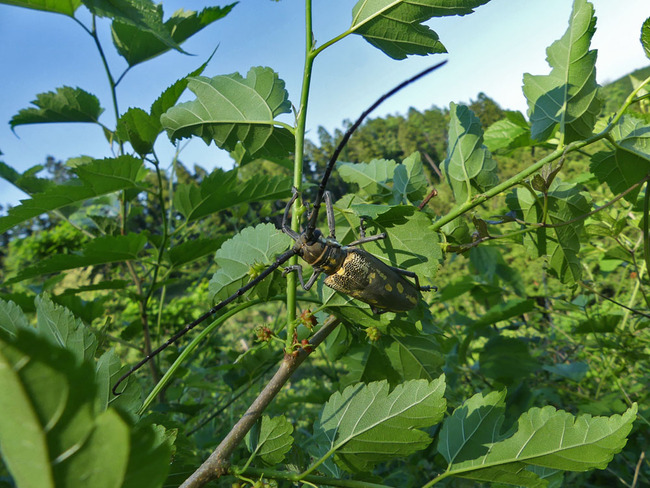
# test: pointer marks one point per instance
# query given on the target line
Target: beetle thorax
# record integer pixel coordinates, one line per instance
(320, 252)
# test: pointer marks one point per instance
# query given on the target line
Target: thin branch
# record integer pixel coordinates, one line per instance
(218, 463)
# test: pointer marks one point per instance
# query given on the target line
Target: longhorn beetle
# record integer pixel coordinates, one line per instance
(350, 270)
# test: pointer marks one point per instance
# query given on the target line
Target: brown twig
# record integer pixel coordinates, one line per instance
(218, 463)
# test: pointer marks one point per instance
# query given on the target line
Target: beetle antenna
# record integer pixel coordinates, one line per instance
(279, 261)
(311, 226)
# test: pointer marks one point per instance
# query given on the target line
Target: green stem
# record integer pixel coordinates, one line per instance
(297, 167)
(188, 350)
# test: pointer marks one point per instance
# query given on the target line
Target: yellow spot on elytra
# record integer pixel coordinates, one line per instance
(372, 276)
(400, 288)
(388, 287)
(382, 275)
(412, 299)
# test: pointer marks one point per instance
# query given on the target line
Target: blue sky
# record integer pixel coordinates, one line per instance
(489, 51)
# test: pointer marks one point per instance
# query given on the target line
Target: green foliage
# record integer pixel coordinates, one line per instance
(108, 258)
(566, 98)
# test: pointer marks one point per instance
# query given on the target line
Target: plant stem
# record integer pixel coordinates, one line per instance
(298, 169)
(218, 463)
(318, 480)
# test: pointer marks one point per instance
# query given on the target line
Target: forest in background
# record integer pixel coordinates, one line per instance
(535, 326)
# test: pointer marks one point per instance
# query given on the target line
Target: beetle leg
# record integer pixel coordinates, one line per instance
(362, 233)
(411, 274)
(298, 269)
(285, 226)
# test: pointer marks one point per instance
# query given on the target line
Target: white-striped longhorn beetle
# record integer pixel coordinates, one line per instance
(350, 270)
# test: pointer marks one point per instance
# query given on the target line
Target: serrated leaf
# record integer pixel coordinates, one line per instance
(231, 109)
(143, 14)
(620, 169)
(366, 424)
(373, 178)
(416, 356)
(190, 251)
(66, 7)
(12, 318)
(140, 129)
(101, 250)
(409, 183)
(108, 370)
(471, 442)
(567, 97)
(633, 135)
(61, 328)
(271, 440)
(469, 167)
(509, 133)
(409, 244)
(223, 190)
(395, 26)
(137, 45)
(645, 37)
(560, 244)
(97, 178)
(67, 104)
(253, 245)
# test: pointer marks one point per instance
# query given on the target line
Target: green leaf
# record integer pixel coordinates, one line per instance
(567, 97)
(190, 251)
(108, 369)
(620, 169)
(573, 371)
(409, 182)
(409, 244)
(416, 356)
(231, 109)
(366, 424)
(136, 44)
(149, 455)
(101, 250)
(237, 256)
(373, 178)
(560, 244)
(223, 190)
(505, 311)
(509, 133)
(65, 105)
(143, 14)
(66, 7)
(469, 167)
(471, 442)
(506, 360)
(12, 318)
(140, 129)
(395, 26)
(633, 135)
(97, 178)
(271, 439)
(61, 328)
(645, 37)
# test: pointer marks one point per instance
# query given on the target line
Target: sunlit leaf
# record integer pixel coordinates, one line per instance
(395, 26)
(12, 318)
(65, 105)
(509, 133)
(620, 169)
(231, 109)
(94, 179)
(66, 7)
(567, 97)
(645, 37)
(136, 44)
(469, 167)
(237, 256)
(366, 423)
(271, 439)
